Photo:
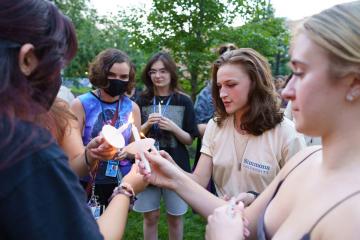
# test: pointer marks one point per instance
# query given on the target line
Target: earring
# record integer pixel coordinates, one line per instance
(349, 97)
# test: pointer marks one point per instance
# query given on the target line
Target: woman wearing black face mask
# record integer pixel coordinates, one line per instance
(112, 74)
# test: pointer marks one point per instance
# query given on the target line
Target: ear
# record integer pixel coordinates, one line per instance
(27, 59)
(353, 92)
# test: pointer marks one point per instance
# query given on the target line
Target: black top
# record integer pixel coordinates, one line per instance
(181, 111)
(261, 228)
(40, 197)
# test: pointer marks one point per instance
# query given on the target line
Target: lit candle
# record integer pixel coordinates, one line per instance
(159, 108)
(126, 125)
(142, 156)
(137, 138)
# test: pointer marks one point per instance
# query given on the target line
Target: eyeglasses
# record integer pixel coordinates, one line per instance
(162, 71)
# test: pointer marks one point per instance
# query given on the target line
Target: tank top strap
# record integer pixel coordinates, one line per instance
(329, 210)
(298, 164)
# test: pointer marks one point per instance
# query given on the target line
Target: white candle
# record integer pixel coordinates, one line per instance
(135, 132)
(142, 156)
(159, 108)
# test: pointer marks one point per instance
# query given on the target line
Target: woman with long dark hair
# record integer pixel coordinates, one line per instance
(167, 115)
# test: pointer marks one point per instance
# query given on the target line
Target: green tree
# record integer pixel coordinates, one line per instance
(94, 33)
(191, 29)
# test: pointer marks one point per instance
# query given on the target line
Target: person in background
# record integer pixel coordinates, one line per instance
(167, 115)
(112, 74)
(40, 196)
(205, 109)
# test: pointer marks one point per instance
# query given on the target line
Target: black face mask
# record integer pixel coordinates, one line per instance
(116, 87)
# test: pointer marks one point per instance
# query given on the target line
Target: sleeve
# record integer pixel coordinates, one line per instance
(49, 203)
(140, 103)
(204, 108)
(189, 124)
(208, 139)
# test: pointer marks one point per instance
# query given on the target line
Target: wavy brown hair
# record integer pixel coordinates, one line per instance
(101, 65)
(263, 110)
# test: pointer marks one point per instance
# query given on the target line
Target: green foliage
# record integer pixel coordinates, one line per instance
(194, 226)
(191, 29)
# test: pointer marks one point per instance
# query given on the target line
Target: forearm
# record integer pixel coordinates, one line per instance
(195, 195)
(182, 136)
(202, 181)
(201, 128)
(145, 128)
(113, 221)
(79, 166)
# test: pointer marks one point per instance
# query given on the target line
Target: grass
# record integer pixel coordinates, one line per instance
(194, 225)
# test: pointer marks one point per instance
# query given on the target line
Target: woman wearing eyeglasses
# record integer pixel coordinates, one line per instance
(167, 115)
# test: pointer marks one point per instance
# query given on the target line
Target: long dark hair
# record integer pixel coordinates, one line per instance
(263, 110)
(169, 65)
(52, 34)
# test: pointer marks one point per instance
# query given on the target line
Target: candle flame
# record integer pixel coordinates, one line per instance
(142, 135)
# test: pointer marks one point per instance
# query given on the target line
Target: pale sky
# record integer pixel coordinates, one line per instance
(291, 9)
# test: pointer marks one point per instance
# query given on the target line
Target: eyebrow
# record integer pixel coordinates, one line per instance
(157, 69)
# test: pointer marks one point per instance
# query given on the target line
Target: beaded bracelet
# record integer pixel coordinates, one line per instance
(127, 190)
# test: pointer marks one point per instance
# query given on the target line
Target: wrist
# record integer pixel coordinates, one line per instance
(126, 190)
(89, 161)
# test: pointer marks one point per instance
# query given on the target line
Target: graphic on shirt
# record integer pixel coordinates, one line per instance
(165, 138)
(258, 167)
(99, 122)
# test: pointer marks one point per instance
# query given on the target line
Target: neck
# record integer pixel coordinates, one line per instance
(237, 122)
(162, 91)
(106, 97)
(339, 148)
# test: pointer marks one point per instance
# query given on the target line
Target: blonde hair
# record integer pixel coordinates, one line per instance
(337, 30)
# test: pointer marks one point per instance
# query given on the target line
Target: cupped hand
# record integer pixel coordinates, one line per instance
(120, 155)
(135, 179)
(227, 222)
(99, 149)
(153, 118)
(166, 124)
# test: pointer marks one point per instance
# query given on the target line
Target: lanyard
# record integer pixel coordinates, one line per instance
(116, 114)
(155, 127)
(166, 105)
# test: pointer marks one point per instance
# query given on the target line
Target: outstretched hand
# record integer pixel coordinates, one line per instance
(164, 172)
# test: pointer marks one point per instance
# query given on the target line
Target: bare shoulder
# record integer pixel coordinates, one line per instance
(311, 152)
(135, 107)
(342, 222)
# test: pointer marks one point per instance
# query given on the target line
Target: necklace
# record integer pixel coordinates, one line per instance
(240, 140)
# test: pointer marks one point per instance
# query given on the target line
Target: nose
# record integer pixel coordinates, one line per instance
(157, 74)
(222, 93)
(288, 92)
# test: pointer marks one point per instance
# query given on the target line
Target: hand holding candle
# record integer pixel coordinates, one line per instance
(139, 145)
